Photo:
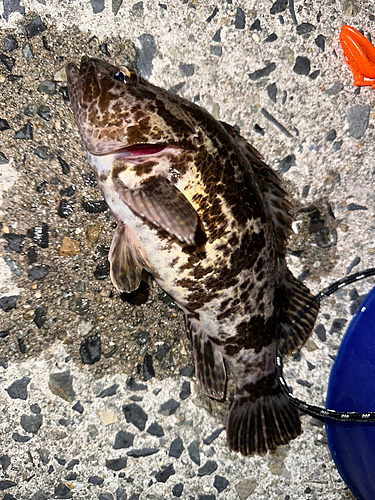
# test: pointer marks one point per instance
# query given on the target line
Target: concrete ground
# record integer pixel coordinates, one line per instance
(133, 424)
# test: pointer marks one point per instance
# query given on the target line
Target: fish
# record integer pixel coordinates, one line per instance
(199, 210)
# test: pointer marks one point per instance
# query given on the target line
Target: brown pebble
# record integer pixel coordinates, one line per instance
(69, 247)
(92, 233)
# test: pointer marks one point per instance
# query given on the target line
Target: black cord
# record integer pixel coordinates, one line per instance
(318, 411)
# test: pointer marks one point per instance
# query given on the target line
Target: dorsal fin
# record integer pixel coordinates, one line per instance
(269, 184)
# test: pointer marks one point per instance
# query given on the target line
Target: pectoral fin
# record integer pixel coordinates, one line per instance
(161, 203)
(127, 260)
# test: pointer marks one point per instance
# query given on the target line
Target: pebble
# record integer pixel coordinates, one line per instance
(65, 168)
(177, 490)
(10, 43)
(42, 153)
(277, 124)
(261, 73)
(79, 305)
(40, 316)
(26, 132)
(35, 27)
(163, 475)
(146, 55)
(245, 488)
(7, 61)
(305, 28)
(135, 415)
(176, 447)
(135, 386)
(216, 50)
(271, 38)
(44, 112)
(185, 390)
(107, 418)
(331, 135)
(40, 235)
(142, 337)
(186, 69)
(279, 6)
(105, 496)
(321, 332)
(193, 450)
(358, 117)
(302, 65)
(208, 468)
(123, 439)
(95, 207)
(335, 89)
(102, 270)
(31, 423)
(220, 483)
(116, 464)
(337, 325)
(4, 485)
(65, 208)
(121, 495)
(272, 91)
(217, 36)
(78, 407)
(169, 407)
(96, 480)
(15, 241)
(240, 20)
(18, 389)
(353, 263)
(19, 438)
(90, 349)
(320, 42)
(61, 384)
(286, 164)
(4, 125)
(155, 430)
(336, 146)
(69, 247)
(109, 391)
(204, 497)
(71, 464)
(142, 452)
(26, 51)
(148, 368)
(4, 462)
(63, 91)
(351, 207)
(29, 110)
(304, 383)
(216, 433)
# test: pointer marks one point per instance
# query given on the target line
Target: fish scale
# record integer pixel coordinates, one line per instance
(199, 210)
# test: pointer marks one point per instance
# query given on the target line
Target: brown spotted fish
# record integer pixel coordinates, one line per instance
(199, 210)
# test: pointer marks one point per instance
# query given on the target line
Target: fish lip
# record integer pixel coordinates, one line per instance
(134, 151)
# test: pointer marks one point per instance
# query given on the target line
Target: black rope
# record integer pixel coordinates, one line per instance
(318, 411)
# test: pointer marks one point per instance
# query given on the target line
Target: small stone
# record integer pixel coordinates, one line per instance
(279, 6)
(7, 61)
(245, 488)
(3, 159)
(305, 28)
(320, 42)
(105, 496)
(206, 497)
(69, 247)
(135, 386)
(176, 447)
(162, 350)
(272, 91)
(18, 389)
(10, 43)
(217, 36)
(208, 468)
(96, 480)
(146, 55)
(95, 207)
(121, 495)
(142, 452)
(26, 132)
(155, 430)
(141, 337)
(97, 6)
(331, 135)
(216, 433)
(255, 26)
(135, 415)
(107, 418)
(185, 390)
(351, 207)
(188, 371)
(186, 70)
(47, 87)
(42, 153)
(335, 89)
(78, 407)
(123, 439)
(177, 490)
(31, 423)
(110, 391)
(64, 209)
(35, 27)
(40, 235)
(337, 325)
(286, 163)
(4, 485)
(116, 464)
(321, 332)
(19, 438)
(163, 475)
(322, 238)
(304, 383)
(240, 20)
(4, 125)
(302, 65)
(4, 462)
(44, 112)
(71, 464)
(261, 73)
(90, 349)
(64, 166)
(26, 51)
(102, 270)
(79, 305)
(220, 483)
(61, 384)
(169, 407)
(271, 38)
(38, 272)
(40, 316)
(8, 303)
(148, 367)
(216, 50)
(358, 117)
(193, 450)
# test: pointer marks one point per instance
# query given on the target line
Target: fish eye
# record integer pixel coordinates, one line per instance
(121, 77)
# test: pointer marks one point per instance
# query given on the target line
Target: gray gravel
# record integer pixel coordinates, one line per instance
(97, 390)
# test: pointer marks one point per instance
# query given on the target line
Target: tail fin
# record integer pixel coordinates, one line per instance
(256, 426)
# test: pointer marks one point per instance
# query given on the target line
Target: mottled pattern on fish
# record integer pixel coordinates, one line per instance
(199, 210)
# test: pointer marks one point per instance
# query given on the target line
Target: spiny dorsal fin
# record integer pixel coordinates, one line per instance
(269, 185)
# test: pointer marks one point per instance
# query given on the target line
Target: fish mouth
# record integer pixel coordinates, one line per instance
(137, 153)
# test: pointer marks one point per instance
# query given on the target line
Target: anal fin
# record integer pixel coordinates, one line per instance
(209, 363)
(127, 260)
(299, 309)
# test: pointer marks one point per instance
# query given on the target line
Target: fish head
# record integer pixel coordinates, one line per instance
(118, 111)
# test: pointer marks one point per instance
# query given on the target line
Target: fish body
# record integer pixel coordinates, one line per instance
(199, 210)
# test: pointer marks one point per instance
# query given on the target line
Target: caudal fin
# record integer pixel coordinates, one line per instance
(261, 425)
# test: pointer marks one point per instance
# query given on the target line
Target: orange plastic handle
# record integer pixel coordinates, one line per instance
(359, 55)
